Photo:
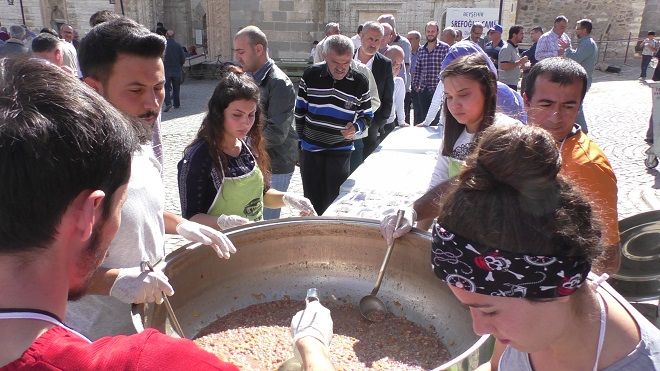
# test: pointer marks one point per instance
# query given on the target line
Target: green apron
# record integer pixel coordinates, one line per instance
(242, 195)
(455, 167)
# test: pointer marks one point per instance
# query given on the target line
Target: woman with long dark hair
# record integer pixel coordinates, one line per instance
(224, 175)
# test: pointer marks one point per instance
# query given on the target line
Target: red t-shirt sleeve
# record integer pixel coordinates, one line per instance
(161, 352)
(60, 349)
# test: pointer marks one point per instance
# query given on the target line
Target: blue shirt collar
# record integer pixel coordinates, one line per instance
(259, 74)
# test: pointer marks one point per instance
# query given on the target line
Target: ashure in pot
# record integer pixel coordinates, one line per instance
(340, 257)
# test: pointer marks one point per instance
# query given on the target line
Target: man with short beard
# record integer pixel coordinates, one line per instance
(427, 70)
(121, 60)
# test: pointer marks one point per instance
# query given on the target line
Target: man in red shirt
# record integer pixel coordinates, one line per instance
(65, 158)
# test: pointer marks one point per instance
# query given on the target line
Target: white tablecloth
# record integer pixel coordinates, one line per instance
(391, 178)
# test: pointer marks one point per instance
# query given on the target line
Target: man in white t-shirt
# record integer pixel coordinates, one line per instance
(649, 47)
(121, 60)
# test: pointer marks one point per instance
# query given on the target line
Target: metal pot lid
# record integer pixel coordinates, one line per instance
(640, 260)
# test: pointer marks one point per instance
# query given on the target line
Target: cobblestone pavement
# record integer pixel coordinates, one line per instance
(617, 109)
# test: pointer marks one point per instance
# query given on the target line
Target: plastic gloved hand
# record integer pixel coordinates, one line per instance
(231, 221)
(299, 203)
(388, 225)
(314, 321)
(199, 233)
(132, 285)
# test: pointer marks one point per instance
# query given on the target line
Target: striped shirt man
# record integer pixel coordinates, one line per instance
(324, 106)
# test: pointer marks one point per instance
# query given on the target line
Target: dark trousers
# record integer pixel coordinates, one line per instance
(407, 103)
(387, 129)
(322, 174)
(417, 107)
(371, 141)
(425, 98)
(172, 89)
(356, 155)
(646, 59)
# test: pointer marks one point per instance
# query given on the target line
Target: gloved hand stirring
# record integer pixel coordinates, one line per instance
(388, 225)
(300, 203)
(132, 285)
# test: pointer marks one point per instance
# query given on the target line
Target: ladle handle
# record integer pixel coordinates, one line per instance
(390, 248)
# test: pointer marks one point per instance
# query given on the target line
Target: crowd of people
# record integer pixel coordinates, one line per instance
(524, 202)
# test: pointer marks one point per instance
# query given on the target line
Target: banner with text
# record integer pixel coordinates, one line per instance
(463, 18)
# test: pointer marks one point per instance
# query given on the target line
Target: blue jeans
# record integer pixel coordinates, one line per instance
(279, 182)
(646, 60)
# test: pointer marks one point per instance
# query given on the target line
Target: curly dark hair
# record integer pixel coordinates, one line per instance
(510, 196)
(234, 85)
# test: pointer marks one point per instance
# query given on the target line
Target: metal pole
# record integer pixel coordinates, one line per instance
(625, 58)
(121, 3)
(499, 19)
(22, 12)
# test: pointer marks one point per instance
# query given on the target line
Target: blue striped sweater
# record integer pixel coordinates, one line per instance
(324, 106)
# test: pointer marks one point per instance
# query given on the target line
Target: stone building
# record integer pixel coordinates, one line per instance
(292, 25)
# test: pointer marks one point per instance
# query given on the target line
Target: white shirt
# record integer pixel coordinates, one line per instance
(369, 63)
(142, 228)
(357, 41)
(397, 103)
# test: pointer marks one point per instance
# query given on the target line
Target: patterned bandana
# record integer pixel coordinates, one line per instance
(459, 262)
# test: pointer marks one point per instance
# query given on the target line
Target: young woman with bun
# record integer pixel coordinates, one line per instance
(516, 242)
(224, 174)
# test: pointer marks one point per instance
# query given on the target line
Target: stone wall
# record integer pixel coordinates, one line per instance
(11, 14)
(613, 20)
(290, 25)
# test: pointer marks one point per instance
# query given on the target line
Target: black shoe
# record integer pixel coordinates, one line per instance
(167, 108)
(177, 107)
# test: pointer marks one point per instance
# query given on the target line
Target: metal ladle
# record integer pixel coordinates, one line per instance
(370, 304)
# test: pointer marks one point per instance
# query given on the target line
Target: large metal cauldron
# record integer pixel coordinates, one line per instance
(340, 257)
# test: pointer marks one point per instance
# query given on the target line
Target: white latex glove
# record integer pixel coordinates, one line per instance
(231, 221)
(299, 203)
(314, 321)
(199, 233)
(388, 225)
(132, 285)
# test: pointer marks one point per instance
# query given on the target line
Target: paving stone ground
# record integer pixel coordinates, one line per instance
(617, 109)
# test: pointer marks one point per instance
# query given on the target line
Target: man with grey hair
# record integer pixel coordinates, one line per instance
(68, 50)
(14, 46)
(448, 36)
(333, 104)
(331, 28)
(396, 118)
(476, 31)
(381, 67)
(404, 44)
(388, 36)
(277, 99)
